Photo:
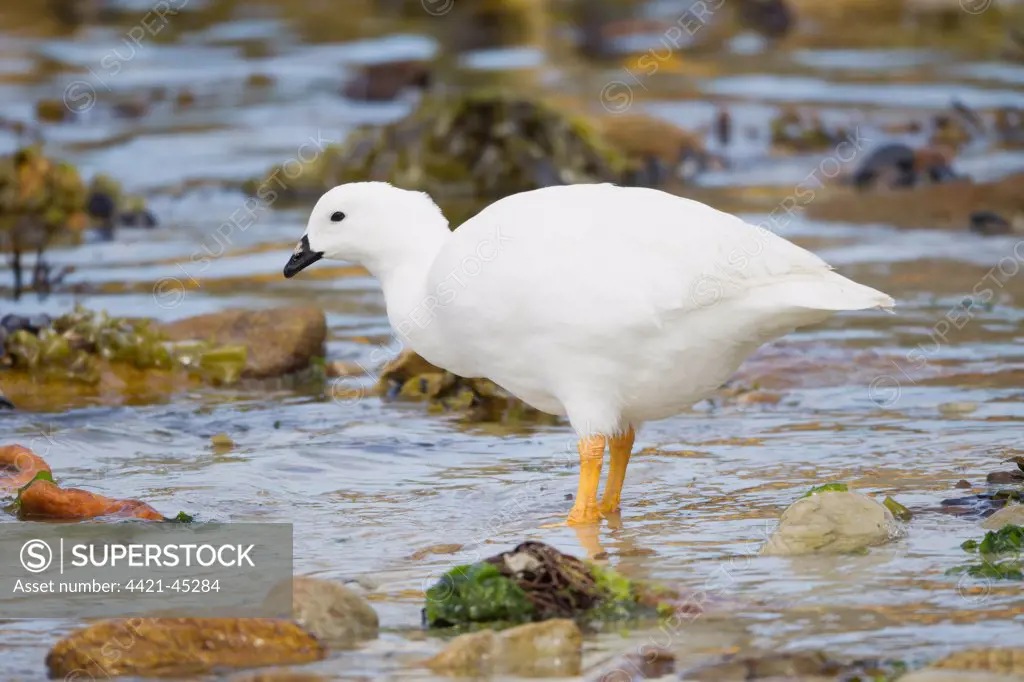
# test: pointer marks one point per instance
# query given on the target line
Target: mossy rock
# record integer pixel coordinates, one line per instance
(535, 582)
(410, 377)
(42, 200)
(480, 145)
(78, 346)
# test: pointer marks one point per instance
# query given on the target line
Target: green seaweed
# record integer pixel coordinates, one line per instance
(618, 598)
(1000, 553)
(476, 593)
(898, 510)
(1006, 540)
(827, 488)
(181, 517)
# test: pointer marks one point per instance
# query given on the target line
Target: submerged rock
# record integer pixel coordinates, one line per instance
(938, 675)
(980, 505)
(990, 223)
(794, 131)
(771, 18)
(180, 647)
(897, 166)
(649, 662)
(994, 661)
(549, 649)
(387, 80)
(944, 206)
(1010, 514)
(832, 521)
(279, 340)
(410, 377)
(333, 613)
(792, 666)
(536, 582)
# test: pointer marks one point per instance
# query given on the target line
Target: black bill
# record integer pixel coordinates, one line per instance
(302, 258)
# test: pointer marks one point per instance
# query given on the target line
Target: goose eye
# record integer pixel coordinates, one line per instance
(337, 217)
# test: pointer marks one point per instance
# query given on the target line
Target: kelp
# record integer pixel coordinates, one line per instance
(1000, 554)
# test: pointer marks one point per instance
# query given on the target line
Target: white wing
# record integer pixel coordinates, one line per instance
(601, 255)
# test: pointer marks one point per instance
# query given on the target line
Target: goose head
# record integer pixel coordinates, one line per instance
(374, 224)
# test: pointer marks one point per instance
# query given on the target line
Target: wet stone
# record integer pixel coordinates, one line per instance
(332, 612)
(549, 649)
(180, 647)
(980, 505)
(649, 662)
(832, 521)
(1013, 513)
(279, 340)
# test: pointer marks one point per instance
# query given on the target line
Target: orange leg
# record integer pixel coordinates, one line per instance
(584, 509)
(621, 447)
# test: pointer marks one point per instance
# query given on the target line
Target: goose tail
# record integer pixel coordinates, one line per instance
(830, 291)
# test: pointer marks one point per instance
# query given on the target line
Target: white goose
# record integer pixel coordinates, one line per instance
(609, 305)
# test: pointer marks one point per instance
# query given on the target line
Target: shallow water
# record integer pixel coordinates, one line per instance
(368, 482)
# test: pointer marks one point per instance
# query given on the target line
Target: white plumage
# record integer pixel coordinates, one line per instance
(610, 305)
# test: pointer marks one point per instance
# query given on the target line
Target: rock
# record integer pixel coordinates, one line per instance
(5, 404)
(805, 666)
(533, 581)
(1009, 514)
(480, 144)
(771, 18)
(280, 340)
(929, 675)
(279, 676)
(180, 647)
(46, 500)
(648, 663)
(549, 649)
(840, 521)
(333, 613)
(989, 223)
(405, 366)
(991, 660)
(340, 368)
(954, 409)
(387, 80)
(962, 484)
(424, 552)
(980, 505)
(1000, 477)
(785, 665)
(896, 166)
(943, 206)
